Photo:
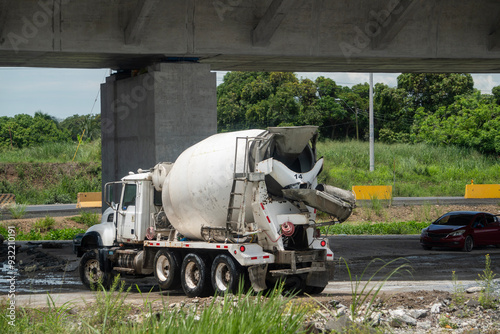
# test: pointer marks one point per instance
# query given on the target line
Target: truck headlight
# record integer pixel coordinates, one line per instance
(456, 233)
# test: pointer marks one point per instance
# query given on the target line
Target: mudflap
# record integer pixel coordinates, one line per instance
(257, 276)
(320, 278)
(104, 263)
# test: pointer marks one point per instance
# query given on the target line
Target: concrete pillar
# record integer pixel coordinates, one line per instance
(154, 116)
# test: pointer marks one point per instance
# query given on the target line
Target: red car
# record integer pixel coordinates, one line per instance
(462, 229)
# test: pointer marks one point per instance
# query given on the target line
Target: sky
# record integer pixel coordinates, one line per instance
(65, 92)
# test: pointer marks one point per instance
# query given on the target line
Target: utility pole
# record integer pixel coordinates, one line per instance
(372, 144)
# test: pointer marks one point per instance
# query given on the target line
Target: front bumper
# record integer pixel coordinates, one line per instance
(450, 242)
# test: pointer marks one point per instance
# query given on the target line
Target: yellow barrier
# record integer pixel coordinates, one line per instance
(482, 191)
(370, 192)
(7, 199)
(89, 200)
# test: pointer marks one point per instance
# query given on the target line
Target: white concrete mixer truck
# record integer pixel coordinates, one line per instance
(235, 207)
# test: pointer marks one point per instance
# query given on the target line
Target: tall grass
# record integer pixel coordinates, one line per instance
(54, 152)
(241, 313)
(414, 170)
(39, 183)
(366, 228)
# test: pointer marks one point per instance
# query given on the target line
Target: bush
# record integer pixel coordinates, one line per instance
(45, 224)
(87, 218)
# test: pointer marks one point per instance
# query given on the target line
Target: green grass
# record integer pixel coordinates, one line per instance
(418, 170)
(45, 224)
(54, 152)
(17, 211)
(44, 234)
(367, 228)
(87, 218)
(49, 183)
(241, 313)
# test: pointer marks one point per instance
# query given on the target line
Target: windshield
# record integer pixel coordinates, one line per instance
(455, 220)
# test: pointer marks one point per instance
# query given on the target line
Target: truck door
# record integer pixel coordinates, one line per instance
(127, 214)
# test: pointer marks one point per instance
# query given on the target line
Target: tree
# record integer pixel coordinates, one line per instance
(76, 124)
(23, 130)
(263, 99)
(471, 121)
(433, 90)
(257, 99)
(393, 118)
(496, 93)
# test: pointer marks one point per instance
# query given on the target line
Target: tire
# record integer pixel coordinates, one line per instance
(225, 274)
(167, 269)
(314, 290)
(195, 276)
(294, 285)
(468, 244)
(91, 274)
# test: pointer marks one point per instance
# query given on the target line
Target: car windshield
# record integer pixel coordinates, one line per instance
(455, 220)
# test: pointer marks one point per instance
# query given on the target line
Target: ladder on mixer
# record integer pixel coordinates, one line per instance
(239, 177)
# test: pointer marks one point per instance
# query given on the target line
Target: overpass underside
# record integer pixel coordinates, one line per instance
(285, 35)
(182, 40)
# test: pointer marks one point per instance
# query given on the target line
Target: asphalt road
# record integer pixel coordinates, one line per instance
(435, 264)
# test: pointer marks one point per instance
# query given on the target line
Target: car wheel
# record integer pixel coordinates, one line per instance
(195, 276)
(90, 271)
(167, 270)
(226, 274)
(468, 244)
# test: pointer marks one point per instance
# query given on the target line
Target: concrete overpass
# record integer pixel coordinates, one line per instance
(169, 102)
(271, 35)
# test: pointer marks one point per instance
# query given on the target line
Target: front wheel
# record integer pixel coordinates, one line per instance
(195, 276)
(468, 244)
(91, 274)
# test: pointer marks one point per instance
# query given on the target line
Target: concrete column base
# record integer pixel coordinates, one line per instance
(154, 116)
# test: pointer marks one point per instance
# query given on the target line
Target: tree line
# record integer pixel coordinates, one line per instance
(24, 130)
(436, 108)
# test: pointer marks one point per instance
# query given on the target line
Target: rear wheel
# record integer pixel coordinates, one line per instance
(294, 285)
(468, 244)
(195, 276)
(226, 274)
(90, 271)
(314, 290)
(167, 269)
